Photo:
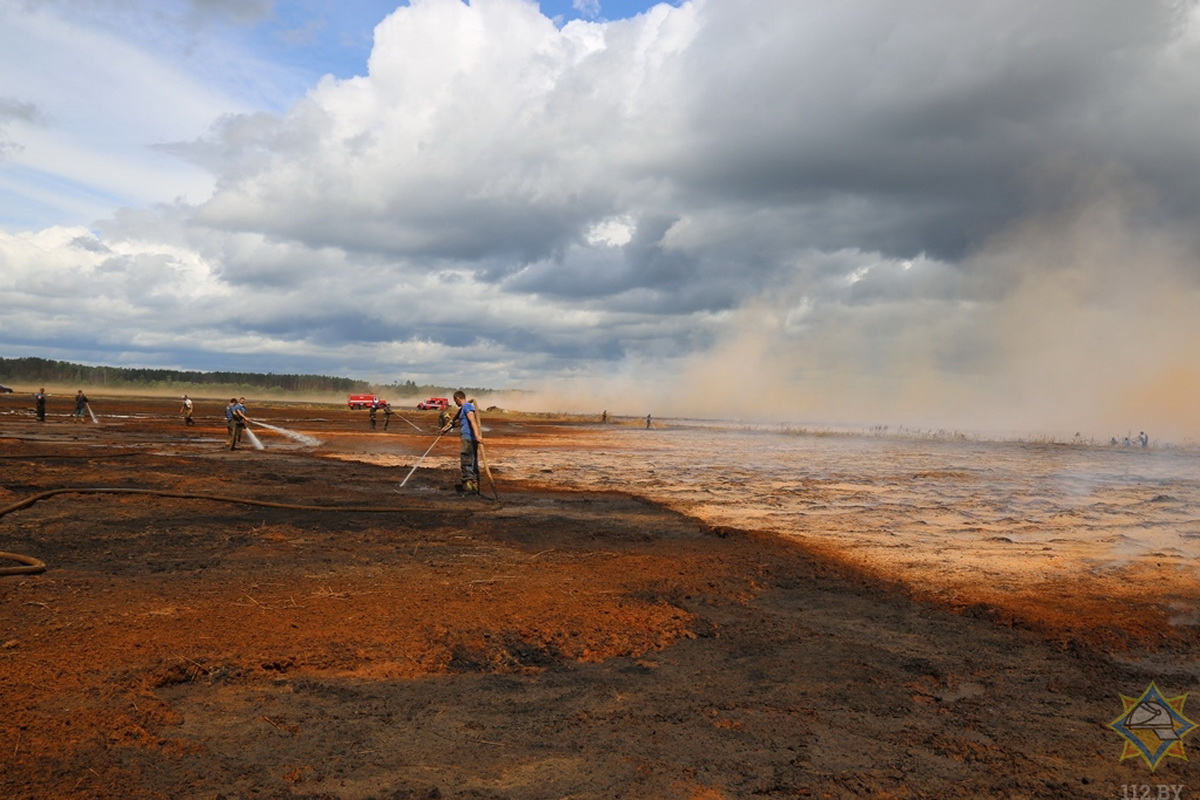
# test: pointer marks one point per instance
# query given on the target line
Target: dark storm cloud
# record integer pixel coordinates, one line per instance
(928, 113)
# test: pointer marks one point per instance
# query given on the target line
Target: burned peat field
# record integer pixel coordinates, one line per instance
(290, 623)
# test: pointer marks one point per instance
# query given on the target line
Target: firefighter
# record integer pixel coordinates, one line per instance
(472, 440)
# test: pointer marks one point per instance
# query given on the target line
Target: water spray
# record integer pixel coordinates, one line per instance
(254, 442)
(419, 460)
(302, 438)
(91, 413)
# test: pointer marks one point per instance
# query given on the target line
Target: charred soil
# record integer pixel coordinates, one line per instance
(285, 624)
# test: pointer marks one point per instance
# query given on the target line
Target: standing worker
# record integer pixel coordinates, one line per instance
(235, 419)
(472, 438)
(186, 410)
(387, 415)
(243, 417)
(371, 414)
(81, 404)
(39, 400)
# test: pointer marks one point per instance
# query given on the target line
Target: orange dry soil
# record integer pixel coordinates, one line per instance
(345, 639)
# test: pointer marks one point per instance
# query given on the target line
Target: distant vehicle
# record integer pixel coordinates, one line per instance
(356, 401)
(434, 404)
(5, 390)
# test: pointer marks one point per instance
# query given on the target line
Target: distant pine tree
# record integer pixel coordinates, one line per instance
(43, 370)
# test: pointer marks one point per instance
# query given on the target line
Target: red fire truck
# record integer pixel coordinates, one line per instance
(356, 401)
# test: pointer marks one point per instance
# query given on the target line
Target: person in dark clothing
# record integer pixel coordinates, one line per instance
(81, 405)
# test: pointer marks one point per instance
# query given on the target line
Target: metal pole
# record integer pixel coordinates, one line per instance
(419, 460)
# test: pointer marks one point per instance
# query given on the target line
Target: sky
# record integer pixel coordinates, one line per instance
(934, 214)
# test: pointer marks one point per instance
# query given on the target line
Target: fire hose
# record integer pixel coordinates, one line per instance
(33, 566)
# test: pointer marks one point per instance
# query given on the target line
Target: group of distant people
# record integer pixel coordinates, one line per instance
(373, 414)
(82, 405)
(467, 419)
(235, 421)
(237, 418)
(1142, 440)
(604, 419)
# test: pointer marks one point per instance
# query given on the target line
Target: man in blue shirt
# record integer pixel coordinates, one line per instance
(235, 419)
(472, 438)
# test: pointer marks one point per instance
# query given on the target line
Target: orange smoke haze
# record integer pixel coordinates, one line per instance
(1073, 321)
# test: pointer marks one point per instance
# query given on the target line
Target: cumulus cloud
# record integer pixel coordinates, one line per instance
(929, 212)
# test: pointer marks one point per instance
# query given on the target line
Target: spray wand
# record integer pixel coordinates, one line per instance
(422, 458)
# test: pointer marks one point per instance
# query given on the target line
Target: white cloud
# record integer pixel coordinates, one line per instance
(701, 191)
(613, 231)
(100, 105)
(587, 8)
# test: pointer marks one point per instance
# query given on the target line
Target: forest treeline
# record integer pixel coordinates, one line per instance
(39, 371)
